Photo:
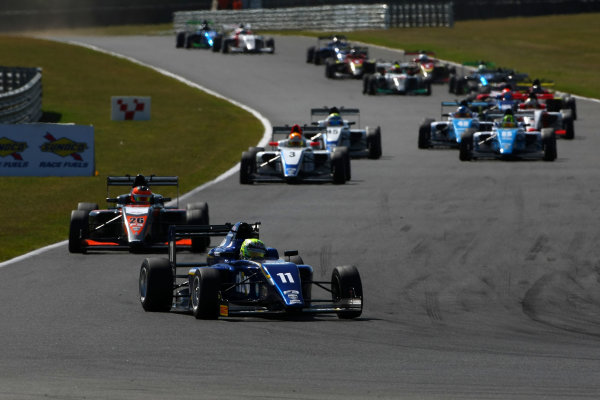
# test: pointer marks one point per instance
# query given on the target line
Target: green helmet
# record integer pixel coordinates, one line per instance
(253, 248)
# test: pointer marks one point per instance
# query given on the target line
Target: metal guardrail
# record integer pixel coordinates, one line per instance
(340, 18)
(20, 95)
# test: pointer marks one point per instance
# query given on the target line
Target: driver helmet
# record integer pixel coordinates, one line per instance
(295, 139)
(507, 94)
(423, 58)
(334, 119)
(140, 195)
(253, 249)
(532, 100)
(462, 112)
(508, 121)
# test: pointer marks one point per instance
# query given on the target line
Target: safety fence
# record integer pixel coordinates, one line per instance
(346, 17)
(20, 95)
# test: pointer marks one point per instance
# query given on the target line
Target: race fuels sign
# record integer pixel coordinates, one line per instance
(46, 150)
(130, 108)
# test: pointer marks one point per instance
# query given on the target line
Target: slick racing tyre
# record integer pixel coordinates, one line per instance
(549, 143)
(425, 134)
(156, 285)
(247, 167)
(330, 68)
(204, 293)
(310, 55)
(338, 167)
(345, 285)
(78, 230)
(87, 206)
(374, 143)
(217, 43)
(197, 214)
(180, 41)
(465, 148)
(569, 127)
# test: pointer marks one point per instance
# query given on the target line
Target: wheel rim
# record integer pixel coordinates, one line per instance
(196, 292)
(143, 283)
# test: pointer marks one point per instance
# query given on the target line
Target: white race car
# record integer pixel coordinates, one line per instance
(337, 132)
(303, 157)
(243, 40)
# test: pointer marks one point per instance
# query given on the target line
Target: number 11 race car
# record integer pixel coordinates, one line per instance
(229, 284)
(138, 222)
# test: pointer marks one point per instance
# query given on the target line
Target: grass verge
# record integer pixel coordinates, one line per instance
(78, 84)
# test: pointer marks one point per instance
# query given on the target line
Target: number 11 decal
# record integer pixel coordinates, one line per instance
(285, 277)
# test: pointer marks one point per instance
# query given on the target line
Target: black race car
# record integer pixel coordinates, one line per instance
(139, 220)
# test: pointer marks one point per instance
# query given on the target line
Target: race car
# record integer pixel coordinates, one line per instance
(535, 114)
(337, 132)
(509, 139)
(327, 47)
(430, 67)
(347, 63)
(448, 131)
(139, 220)
(301, 158)
(243, 277)
(197, 35)
(396, 78)
(486, 75)
(243, 40)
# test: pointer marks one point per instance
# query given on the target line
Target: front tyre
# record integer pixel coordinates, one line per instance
(346, 285)
(425, 134)
(78, 230)
(247, 166)
(156, 285)
(204, 293)
(549, 143)
(374, 143)
(465, 148)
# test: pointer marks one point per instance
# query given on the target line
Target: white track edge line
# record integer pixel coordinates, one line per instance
(263, 141)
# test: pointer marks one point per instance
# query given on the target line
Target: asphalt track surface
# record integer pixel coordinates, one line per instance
(481, 279)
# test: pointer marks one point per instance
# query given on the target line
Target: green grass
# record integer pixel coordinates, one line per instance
(190, 134)
(179, 140)
(563, 48)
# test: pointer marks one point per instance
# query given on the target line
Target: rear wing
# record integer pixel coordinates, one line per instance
(178, 232)
(344, 112)
(308, 131)
(476, 106)
(141, 180)
(331, 37)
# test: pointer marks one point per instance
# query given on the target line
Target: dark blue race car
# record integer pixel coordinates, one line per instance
(226, 285)
(327, 47)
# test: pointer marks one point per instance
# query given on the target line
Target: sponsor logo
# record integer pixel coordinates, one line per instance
(224, 310)
(11, 148)
(63, 147)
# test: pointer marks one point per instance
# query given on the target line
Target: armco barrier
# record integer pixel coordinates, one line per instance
(20, 95)
(347, 17)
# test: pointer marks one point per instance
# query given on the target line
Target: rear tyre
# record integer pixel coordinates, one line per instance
(425, 134)
(271, 44)
(374, 143)
(345, 285)
(310, 55)
(204, 293)
(549, 143)
(465, 148)
(78, 230)
(226, 46)
(217, 43)
(156, 285)
(338, 165)
(330, 68)
(570, 102)
(87, 206)
(569, 128)
(247, 167)
(197, 214)
(180, 40)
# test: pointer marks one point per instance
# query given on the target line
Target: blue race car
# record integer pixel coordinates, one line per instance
(327, 47)
(198, 35)
(448, 132)
(509, 139)
(228, 285)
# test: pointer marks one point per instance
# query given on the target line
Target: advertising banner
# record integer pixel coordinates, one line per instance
(130, 108)
(46, 150)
